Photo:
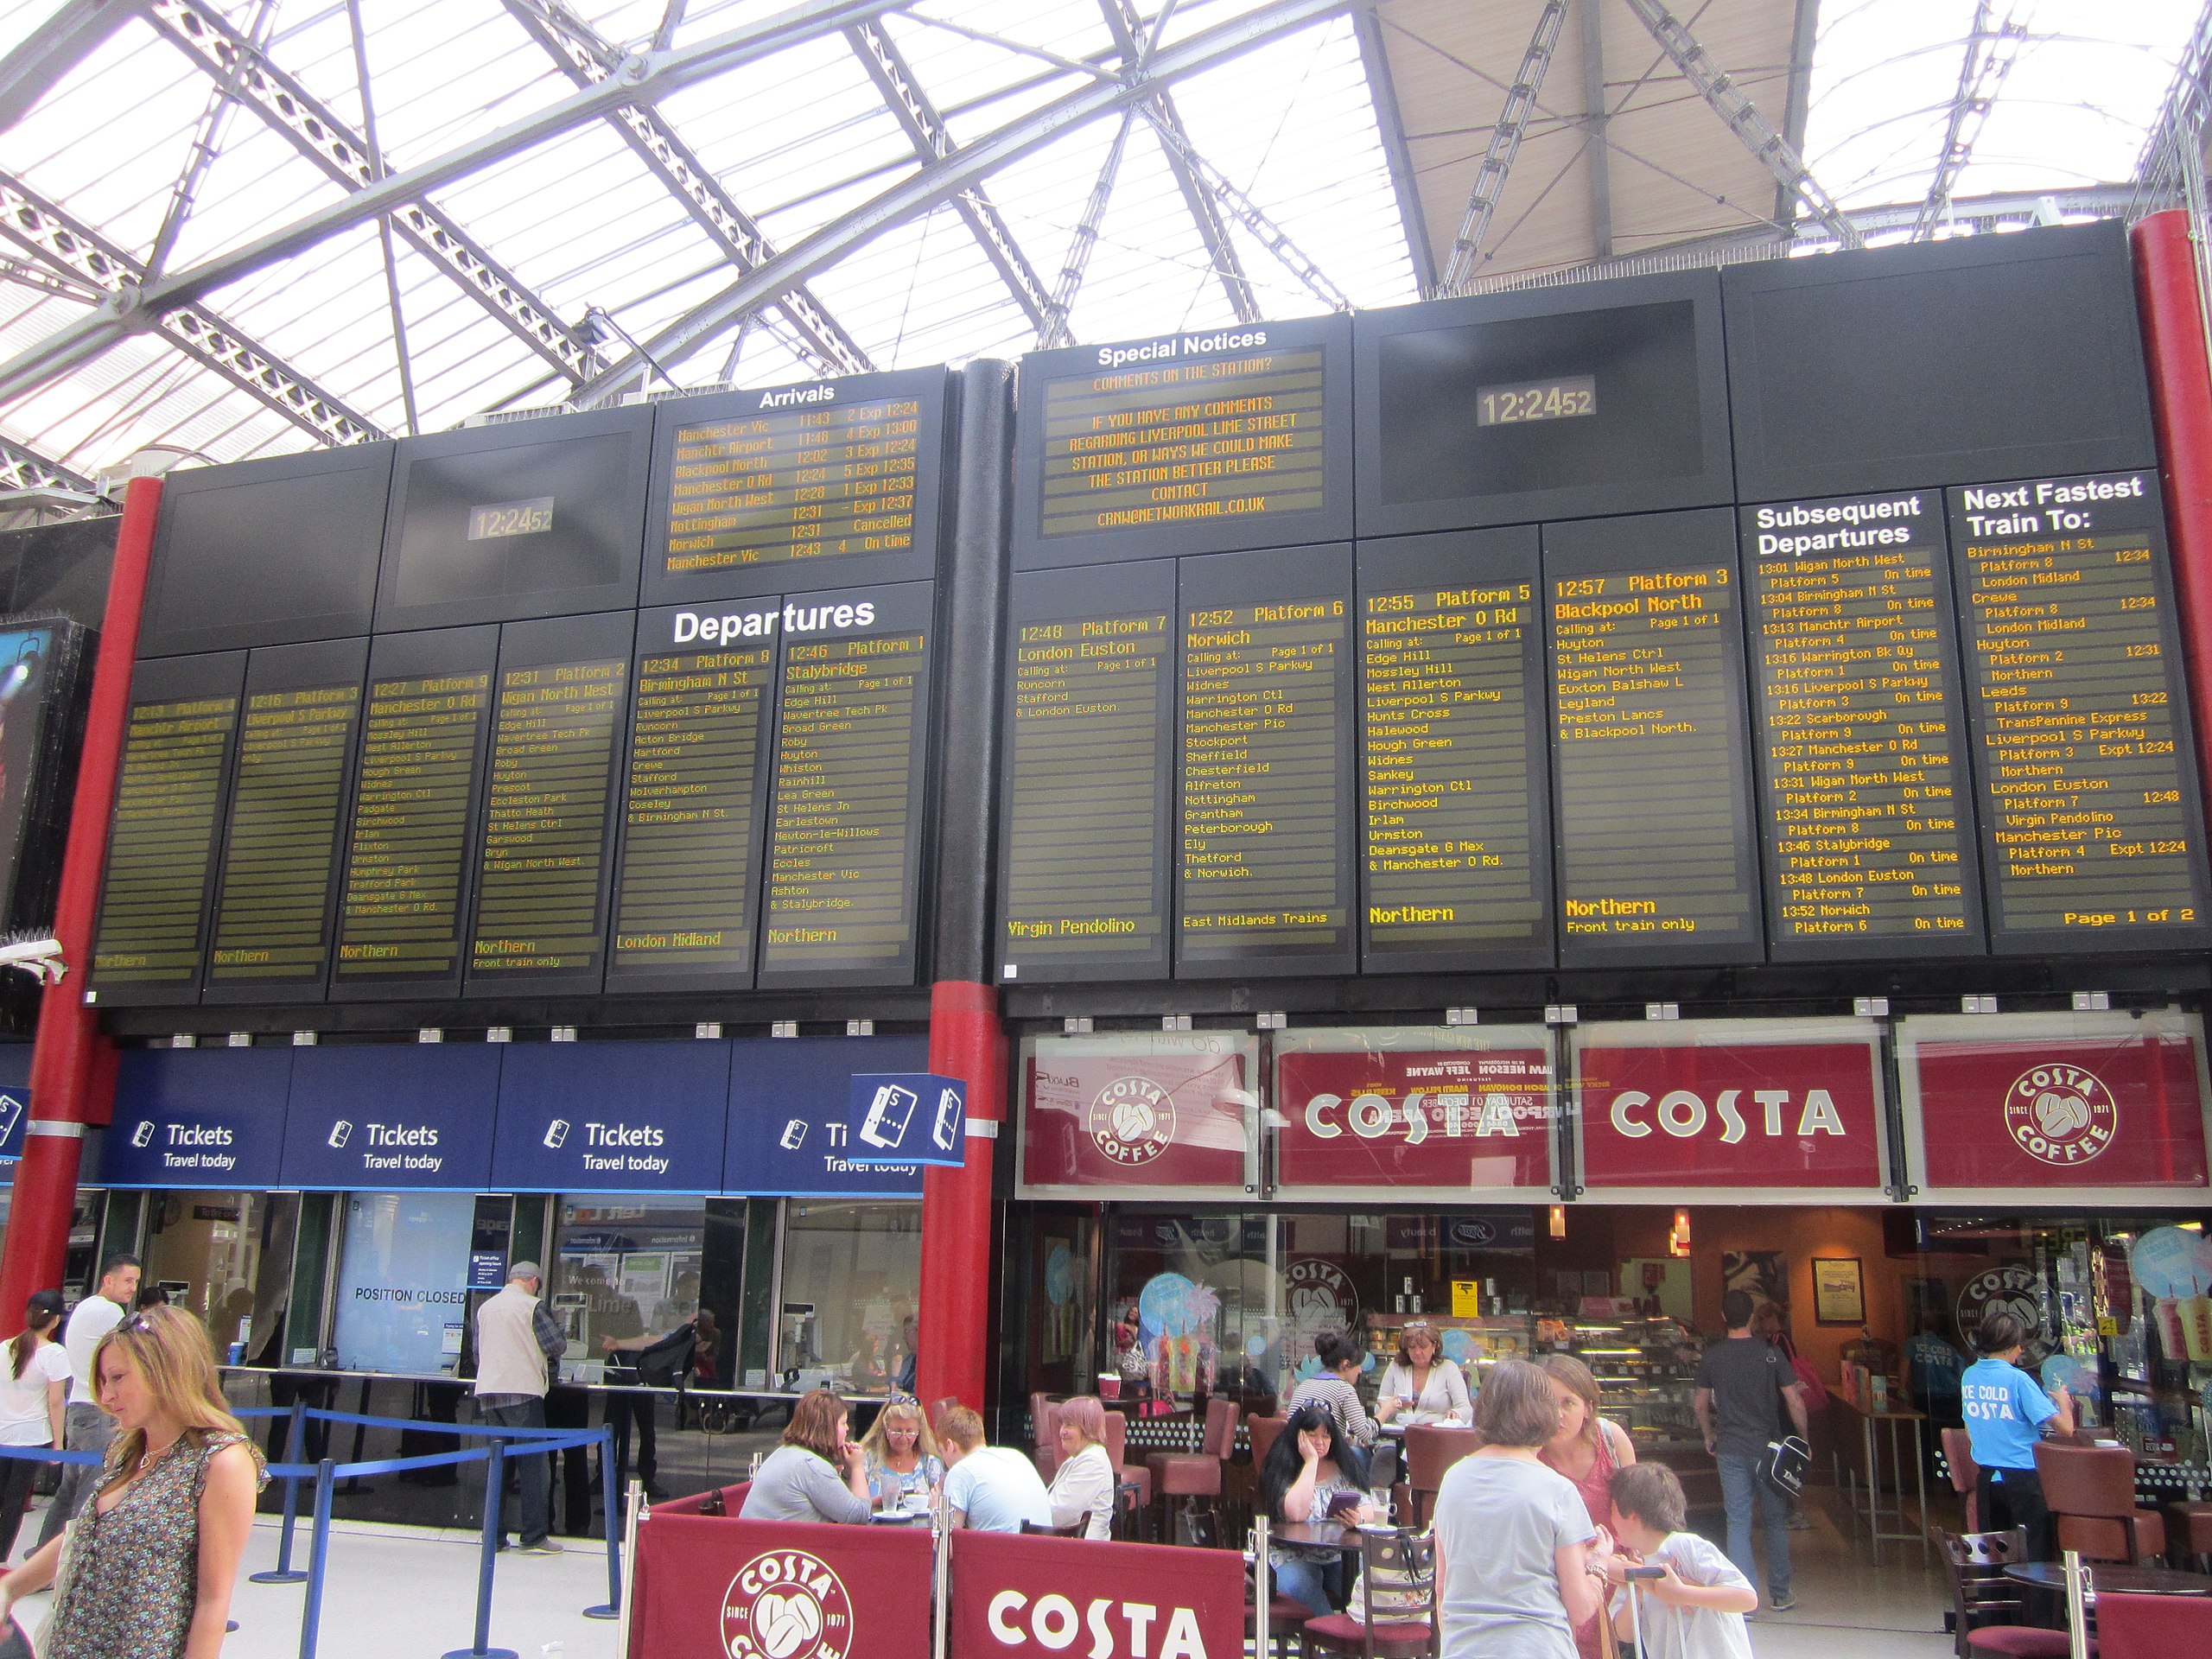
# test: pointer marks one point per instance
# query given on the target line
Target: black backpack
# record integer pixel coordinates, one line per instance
(661, 1364)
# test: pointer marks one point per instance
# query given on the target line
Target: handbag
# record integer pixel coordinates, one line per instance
(14, 1644)
(1786, 1463)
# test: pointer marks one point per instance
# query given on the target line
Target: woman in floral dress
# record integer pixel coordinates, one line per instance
(147, 1569)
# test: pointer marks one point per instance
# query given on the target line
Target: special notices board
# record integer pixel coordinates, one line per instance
(1868, 807)
(168, 819)
(1091, 699)
(1651, 775)
(2092, 826)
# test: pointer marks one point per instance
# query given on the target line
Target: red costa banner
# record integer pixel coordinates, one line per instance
(780, 1590)
(1035, 1598)
(1736, 1115)
(2072, 1111)
(1455, 1118)
(1167, 1117)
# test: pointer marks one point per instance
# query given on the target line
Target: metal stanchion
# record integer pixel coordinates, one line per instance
(284, 1573)
(2077, 1605)
(495, 1485)
(941, 1538)
(318, 1559)
(612, 1506)
(637, 1519)
(1262, 1590)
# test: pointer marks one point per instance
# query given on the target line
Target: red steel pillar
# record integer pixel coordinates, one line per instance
(2181, 405)
(967, 1042)
(72, 1086)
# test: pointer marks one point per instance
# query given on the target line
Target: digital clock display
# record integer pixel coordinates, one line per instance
(1536, 400)
(529, 518)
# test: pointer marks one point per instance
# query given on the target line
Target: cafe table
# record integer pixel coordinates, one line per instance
(2127, 1580)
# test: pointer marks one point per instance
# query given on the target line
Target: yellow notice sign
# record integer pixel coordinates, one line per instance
(1466, 1299)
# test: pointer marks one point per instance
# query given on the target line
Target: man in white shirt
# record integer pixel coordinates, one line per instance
(87, 1428)
(987, 1488)
(515, 1340)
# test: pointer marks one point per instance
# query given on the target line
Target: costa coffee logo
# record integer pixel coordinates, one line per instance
(1683, 1113)
(1321, 1296)
(2061, 1114)
(1131, 1120)
(1117, 1631)
(785, 1603)
(1456, 1115)
(2009, 1289)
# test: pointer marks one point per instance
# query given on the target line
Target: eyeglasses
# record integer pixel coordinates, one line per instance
(137, 1324)
(1415, 1325)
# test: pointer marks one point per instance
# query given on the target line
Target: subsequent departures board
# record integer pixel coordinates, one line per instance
(831, 484)
(548, 808)
(168, 821)
(2093, 834)
(1267, 877)
(1861, 731)
(1455, 846)
(1658, 862)
(852, 778)
(276, 895)
(405, 905)
(1188, 443)
(688, 875)
(1090, 712)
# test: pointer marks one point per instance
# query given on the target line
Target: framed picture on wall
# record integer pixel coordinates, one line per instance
(1838, 1290)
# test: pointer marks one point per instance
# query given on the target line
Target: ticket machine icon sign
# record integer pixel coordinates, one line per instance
(951, 1110)
(888, 1114)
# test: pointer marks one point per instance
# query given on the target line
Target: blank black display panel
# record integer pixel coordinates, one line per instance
(538, 517)
(1980, 358)
(267, 552)
(1563, 404)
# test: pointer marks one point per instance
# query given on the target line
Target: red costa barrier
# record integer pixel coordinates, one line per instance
(1036, 1598)
(706, 1584)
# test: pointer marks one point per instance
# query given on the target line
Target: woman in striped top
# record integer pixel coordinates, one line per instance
(1332, 1389)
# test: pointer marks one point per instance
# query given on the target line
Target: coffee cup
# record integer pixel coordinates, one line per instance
(1110, 1385)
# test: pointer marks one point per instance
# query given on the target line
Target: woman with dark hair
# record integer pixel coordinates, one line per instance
(1519, 1565)
(33, 1395)
(798, 1481)
(1312, 1473)
(1587, 1449)
(2006, 1411)
(1332, 1388)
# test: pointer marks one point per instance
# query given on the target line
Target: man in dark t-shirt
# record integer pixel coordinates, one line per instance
(1744, 1387)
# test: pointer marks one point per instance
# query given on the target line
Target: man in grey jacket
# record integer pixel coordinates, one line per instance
(516, 1340)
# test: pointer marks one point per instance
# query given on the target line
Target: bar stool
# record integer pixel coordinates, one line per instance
(1192, 1474)
(1965, 1472)
(1432, 1448)
(2090, 1492)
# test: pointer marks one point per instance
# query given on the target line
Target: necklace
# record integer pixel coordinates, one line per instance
(149, 1458)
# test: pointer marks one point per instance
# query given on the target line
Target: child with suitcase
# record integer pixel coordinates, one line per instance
(1679, 1595)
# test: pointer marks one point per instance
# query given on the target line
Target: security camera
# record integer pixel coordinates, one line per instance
(42, 958)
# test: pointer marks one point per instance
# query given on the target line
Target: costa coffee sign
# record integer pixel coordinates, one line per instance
(1030, 1598)
(2113, 1110)
(1796, 1115)
(1455, 1119)
(1146, 1115)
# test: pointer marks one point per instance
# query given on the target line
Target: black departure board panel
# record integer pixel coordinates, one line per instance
(405, 903)
(1266, 874)
(1456, 847)
(549, 809)
(277, 897)
(1868, 807)
(2092, 835)
(1090, 731)
(535, 518)
(1187, 443)
(267, 552)
(168, 819)
(852, 775)
(818, 486)
(1556, 403)
(687, 876)
(1651, 750)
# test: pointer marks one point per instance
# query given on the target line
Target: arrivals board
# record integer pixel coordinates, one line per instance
(1658, 862)
(168, 824)
(852, 776)
(1867, 801)
(1090, 723)
(277, 897)
(406, 900)
(549, 833)
(688, 875)
(2092, 835)
(1188, 443)
(824, 484)
(1456, 830)
(1265, 882)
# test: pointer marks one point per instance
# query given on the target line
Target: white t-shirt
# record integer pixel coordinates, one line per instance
(1692, 1632)
(91, 1320)
(24, 1421)
(997, 1489)
(1500, 1525)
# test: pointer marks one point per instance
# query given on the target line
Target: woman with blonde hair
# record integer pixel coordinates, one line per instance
(799, 1480)
(1587, 1449)
(902, 1455)
(1084, 1484)
(147, 1567)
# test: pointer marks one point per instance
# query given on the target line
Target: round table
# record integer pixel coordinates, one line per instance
(2112, 1575)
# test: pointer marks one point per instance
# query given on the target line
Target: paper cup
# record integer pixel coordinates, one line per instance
(1110, 1385)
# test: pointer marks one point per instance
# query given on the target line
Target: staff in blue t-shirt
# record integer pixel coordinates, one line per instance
(2005, 1412)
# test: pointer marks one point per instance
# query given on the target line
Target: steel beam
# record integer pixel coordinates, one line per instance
(1504, 144)
(1390, 123)
(1055, 332)
(801, 322)
(66, 39)
(1777, 154)
(1249, 214)
(1798, 101)
(26, 469)
(938, 181)
(74, 249)
(925, 128)
(1598, 155)
(1989, 57)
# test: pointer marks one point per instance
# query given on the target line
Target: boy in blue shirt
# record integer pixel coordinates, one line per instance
(2005, 1412)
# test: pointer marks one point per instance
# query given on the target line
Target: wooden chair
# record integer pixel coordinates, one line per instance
(1287, 1615)
(2189, 1529)
(2153, 1627)
(1432, 1448)
(1409, 1559)
(1075, 1529)
(1194, 1475)
(1986, 1605)
(2090, 1490)
(1965, 1472)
